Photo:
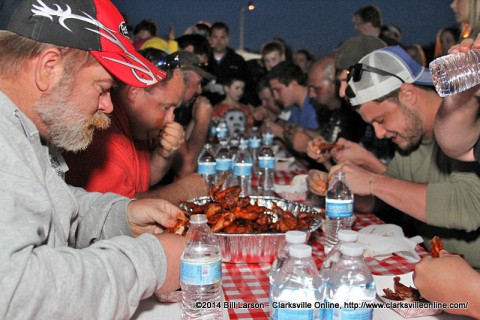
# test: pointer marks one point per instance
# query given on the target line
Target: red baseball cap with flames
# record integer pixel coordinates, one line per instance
(93, 25)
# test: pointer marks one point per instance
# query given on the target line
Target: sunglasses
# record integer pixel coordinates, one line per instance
(170, 62)
(355, 73)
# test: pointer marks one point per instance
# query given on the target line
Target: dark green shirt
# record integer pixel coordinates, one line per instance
(453, 197)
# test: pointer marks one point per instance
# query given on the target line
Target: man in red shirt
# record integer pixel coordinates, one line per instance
(136, 151)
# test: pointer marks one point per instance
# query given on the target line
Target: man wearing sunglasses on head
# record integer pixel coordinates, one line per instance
(457, 131)
(369, 152)
(137, 150)
(396, 95)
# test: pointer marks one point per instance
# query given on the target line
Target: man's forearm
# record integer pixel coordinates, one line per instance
(187, 188)
(198, 138)
(159, 166)
(373, 164)
(406, 196)
(186, 161)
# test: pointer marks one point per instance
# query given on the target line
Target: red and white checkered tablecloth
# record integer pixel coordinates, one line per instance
(249, 283)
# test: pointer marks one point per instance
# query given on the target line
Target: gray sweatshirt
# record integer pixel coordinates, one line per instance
(64, 253)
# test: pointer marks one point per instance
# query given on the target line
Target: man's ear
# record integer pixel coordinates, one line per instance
(133, 93)
(49, 68)
(408, 93)
(293, 83)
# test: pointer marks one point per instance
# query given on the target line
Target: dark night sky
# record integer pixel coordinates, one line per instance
(318, 25)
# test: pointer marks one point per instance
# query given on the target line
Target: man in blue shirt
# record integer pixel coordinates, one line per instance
(287, 82)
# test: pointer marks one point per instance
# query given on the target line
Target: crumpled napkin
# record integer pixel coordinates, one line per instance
(382, 240)
(295, 191)
(283, 163)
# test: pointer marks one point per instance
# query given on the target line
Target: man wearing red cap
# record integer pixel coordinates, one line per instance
(66, 253)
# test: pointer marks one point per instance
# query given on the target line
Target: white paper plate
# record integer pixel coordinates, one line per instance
(386, 281)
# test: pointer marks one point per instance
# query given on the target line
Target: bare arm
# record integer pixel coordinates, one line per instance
(449, 279)
(186, 188)
(457, 126)
(356, 154)
(299, 138)
(185, 161)
(406, 196)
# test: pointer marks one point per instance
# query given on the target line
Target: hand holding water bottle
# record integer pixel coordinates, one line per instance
(456, 122)
(459, 70)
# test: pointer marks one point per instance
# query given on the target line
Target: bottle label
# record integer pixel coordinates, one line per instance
(296, 314)
(242, 169)
(224, 164)
(222, 132)
(206, 168)
(335, 208)
(266, 162)
(200, 273)
(213, 130)
(254, 143)
(268, 138)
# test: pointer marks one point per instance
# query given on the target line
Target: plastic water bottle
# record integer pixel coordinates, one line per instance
(456, 72)
(222, 130)
(254, 142)
(212, 135)
(338, 210)
(224, 164)
(344, 236)
(207, 164)
(266, 170)
(298, 282)
(267, 135)
(201, 272)
(291, 237)
(242, 169)
(350, 284)
(234, 145)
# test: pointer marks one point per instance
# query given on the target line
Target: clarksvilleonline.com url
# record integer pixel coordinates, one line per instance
(427, 305)
(373, 305)
(407, 305)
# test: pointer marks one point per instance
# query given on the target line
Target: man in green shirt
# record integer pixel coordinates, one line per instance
(396, 96)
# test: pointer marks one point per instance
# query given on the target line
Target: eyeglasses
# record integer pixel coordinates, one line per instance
(355, 73)
(170, 62)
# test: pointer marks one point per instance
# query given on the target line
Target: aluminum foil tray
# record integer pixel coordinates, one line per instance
(258, 247)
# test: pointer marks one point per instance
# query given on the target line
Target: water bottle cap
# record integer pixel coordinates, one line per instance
(294, 236)
(198, 219)
(347, 235)
(340, 174)
(352, 249)
(300, 251)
